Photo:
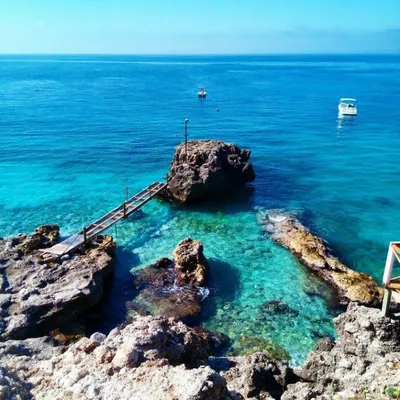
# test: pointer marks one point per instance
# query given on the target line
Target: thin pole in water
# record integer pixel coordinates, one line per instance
(126, 193)
(186, 137)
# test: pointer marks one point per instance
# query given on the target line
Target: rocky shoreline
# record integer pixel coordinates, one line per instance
(311, 251)
(157, 357)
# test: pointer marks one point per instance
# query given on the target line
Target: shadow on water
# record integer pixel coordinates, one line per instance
(233, 202)
(119, 289)
(224, 285)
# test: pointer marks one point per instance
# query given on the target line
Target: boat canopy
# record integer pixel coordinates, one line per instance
(347, 99)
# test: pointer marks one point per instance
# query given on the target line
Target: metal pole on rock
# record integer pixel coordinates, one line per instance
(186, 137)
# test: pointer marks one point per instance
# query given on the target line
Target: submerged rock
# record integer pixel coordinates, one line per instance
(365, 359)
(36, 296)
(247, 345)
(211, 169)
(277, 307)
(311, 251)
(173, 288)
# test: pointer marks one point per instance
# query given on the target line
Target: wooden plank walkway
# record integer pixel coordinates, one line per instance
(106, 221)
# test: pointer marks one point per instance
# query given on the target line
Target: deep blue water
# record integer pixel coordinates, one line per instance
(77, 129)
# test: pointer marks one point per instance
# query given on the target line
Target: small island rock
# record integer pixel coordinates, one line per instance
(211, 169)
(173, 288)
(190, 263)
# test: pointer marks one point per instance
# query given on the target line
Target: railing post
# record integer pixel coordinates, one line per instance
(84, 235)
(124, 210)
(387, 276)
(387, 294)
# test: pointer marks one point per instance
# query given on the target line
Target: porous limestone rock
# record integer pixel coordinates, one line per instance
(12, 387)
(211, 169)
(363, 363)
(150, 358)
(254, 376)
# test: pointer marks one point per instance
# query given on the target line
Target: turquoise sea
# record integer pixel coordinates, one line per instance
(76, 130)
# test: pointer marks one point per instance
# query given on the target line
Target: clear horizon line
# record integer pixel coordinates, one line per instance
(207, 54)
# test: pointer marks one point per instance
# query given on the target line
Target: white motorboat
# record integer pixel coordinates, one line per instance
(202, 93)
(347, 106)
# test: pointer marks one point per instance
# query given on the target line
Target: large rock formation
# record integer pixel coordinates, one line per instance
(38, 296)
(173, 288)
(364, 363)
(210, 170)
(311, 251)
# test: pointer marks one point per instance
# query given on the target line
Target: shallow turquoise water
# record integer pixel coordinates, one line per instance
(76, 130)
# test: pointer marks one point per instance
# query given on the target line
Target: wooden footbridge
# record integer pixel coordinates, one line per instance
(109, 219)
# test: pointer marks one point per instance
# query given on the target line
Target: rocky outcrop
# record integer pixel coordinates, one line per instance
(149, 358)
(211, 169)
(38, 296)
(173, 288)
(350, 285)
(363, 363)
(190, 263)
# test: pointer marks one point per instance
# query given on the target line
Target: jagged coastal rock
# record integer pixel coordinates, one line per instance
(364, 363)
(157, 358)
(173, 288)
(38, 296)
(350, 285)
(254, 376)
(211, 169)
(149, 358)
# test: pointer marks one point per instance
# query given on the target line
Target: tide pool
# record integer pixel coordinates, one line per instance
(77, 130)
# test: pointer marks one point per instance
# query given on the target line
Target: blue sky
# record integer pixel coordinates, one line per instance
(199, 27)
